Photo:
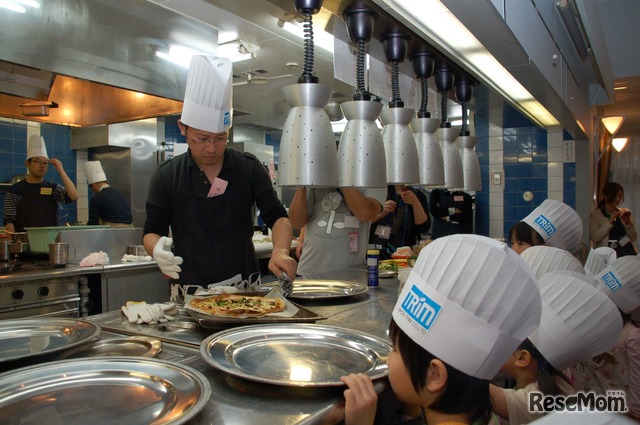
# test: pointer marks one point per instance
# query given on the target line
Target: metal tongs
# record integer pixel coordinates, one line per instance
(285, 284)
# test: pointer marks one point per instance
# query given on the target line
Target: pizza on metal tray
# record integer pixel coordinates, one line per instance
(235, 305)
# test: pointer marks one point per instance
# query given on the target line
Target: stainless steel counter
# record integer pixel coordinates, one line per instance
(238, 401)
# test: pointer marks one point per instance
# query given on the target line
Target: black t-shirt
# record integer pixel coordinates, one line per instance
(441, 204)
(111, 206)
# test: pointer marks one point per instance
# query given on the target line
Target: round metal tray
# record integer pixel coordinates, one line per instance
(119, 390)
(296, 354)
(22, 338)
(313, 289)
(142, 346)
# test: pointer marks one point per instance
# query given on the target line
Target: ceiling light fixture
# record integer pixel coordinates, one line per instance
(453, 178)
(322, 39)
(237, 50)
(463, 89)
(37, 108)
(399, 144)
(361, 155)
(619, 143)
(437, 23)
(179, 55)
(308, 154)
(429, 152)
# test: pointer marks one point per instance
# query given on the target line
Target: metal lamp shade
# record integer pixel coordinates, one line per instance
(470, 163)
(430, 160)
(453, 178)
(308, 154)
(400, 146)
(361, 158)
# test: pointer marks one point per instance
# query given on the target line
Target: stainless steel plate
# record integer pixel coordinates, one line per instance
(387, 274)
(23, 338)
(119, 390)
(296, 354)
(142, 346)
(319, 289)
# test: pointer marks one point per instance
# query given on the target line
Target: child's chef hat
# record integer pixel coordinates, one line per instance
(94, 172)
(598, 259)
(621, 282)
(470, 301)
(546, 259)
(208, 97)
(557, 223)
(36, 147)
(578, 321)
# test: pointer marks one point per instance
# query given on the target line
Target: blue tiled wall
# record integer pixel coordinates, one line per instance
(13, 150)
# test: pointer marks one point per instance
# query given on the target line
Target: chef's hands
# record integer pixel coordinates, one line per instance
(281, 262)
(168, 263)
(388, 207)
(409, 198)
(141, 312)
(360, 398)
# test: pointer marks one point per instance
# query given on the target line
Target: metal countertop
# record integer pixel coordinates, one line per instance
(238, 401)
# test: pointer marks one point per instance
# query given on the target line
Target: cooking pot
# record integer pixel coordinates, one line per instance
(4, 251)
(137, 250)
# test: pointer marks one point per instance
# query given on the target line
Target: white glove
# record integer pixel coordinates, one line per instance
(141, 312)
(168, 263)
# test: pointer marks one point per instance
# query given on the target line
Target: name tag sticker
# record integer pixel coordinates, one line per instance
(217, 188)
(46, 191)
(458, 198)
(353, 242)
(383, 231)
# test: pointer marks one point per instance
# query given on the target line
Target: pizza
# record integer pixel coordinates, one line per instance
(235, 305)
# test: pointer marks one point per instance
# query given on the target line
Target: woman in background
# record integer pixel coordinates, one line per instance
(611, 225)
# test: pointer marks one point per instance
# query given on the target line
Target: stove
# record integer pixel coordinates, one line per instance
(12, 267)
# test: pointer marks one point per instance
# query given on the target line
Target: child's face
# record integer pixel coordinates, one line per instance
(518, 246)
(400, 379)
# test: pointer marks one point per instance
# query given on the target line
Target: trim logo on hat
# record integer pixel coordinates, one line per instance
(545, 225)
(420, 307)
(611, 281)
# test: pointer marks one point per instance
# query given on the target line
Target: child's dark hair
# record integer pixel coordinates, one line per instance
(463, 394)
(546, 384)
(524, 233)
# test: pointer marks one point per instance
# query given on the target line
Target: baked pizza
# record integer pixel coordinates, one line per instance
(236, 305)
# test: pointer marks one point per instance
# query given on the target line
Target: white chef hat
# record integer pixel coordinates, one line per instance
(94, 172)
(470, 301)
(583, 417)
(36, 147)
(578, 321)
(598, 259)
(558, 224)
(546, 259)
(208, 97)
(621, 282)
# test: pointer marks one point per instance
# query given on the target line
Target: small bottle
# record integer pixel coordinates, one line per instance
(373, 257)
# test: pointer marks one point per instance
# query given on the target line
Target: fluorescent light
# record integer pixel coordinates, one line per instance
(321, 38)
(179, 55)
(237, 50)
(440, 25)
(619, 143)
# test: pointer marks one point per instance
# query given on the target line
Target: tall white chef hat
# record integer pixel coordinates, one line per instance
(621, 282)
(598, 259)
(470, 301)
(208, 97)
(558, 224)
(546, 259)
(36, 147)
(94, 172)
(578, 321)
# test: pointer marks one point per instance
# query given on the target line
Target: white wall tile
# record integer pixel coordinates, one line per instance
(555, 184)
(557, 195)
(555, 169)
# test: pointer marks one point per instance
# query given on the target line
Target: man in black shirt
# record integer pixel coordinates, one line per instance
(107, 206)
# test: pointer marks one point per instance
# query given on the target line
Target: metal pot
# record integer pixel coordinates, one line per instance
(137, 250)
(58, 253)
(5, 254)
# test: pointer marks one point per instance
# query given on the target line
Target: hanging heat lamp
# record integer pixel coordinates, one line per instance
(429, 153)
(444, 78)
(308, 154)
(361, 159)
(399, 145)
(463, 89)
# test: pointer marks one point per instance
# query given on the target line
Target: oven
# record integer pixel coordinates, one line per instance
(46, 297)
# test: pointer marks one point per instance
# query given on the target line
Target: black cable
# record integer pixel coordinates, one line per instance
(360, 64)
(307, 69)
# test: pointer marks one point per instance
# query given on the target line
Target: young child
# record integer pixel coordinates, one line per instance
(619, 369)
(467, 304)
(522, 236)
(577, 322)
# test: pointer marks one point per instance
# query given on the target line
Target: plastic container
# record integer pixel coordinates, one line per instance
(41, 237)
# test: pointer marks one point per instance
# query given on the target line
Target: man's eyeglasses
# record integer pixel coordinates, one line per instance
(218, 138)
(39, 162)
